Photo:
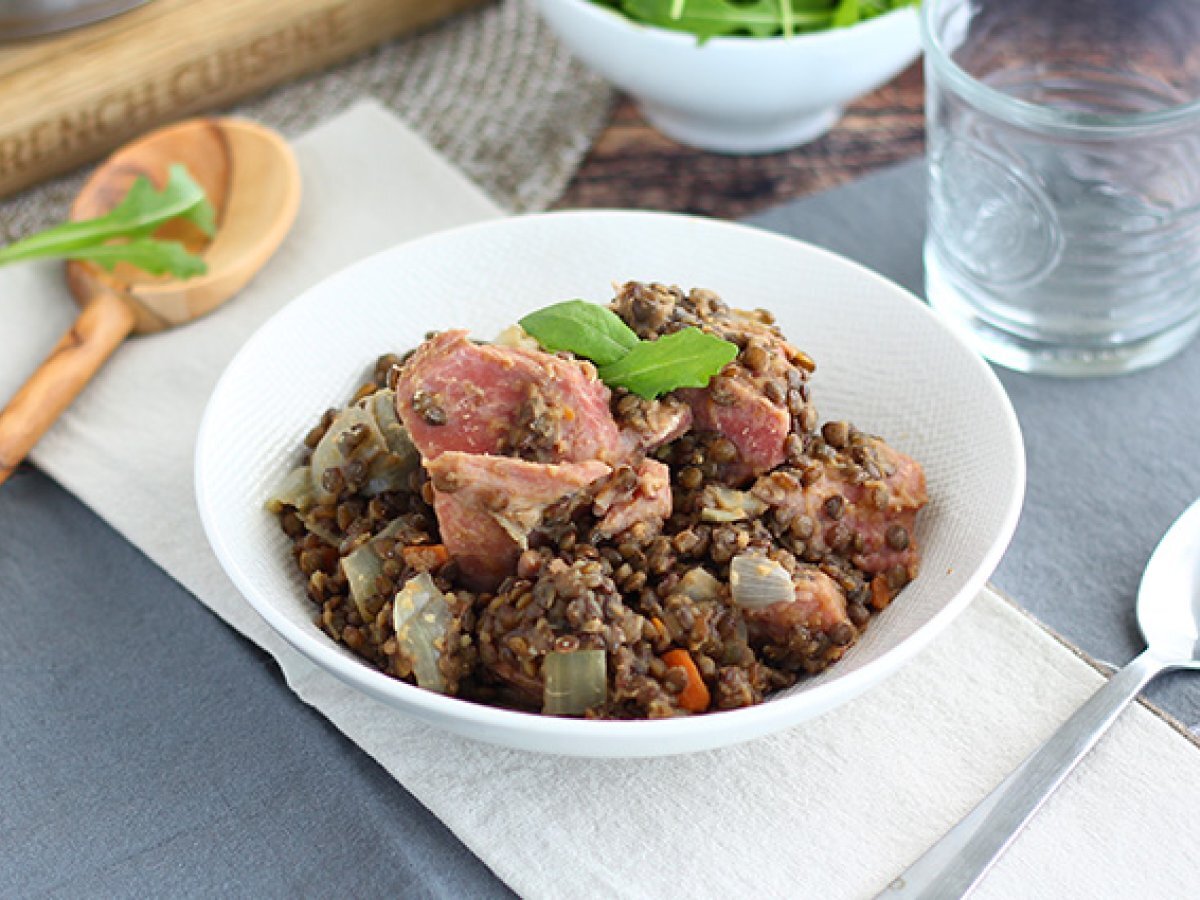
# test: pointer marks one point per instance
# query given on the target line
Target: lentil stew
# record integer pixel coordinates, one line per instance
(493, 522)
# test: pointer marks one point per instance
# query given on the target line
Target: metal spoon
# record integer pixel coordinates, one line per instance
(1168, 612)
(251, 178)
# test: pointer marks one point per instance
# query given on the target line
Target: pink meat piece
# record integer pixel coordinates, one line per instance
(662, 422)
(487, 506)
(904, 483)
(820, 604)
(481, 391)
(645, 496)
(757, 427)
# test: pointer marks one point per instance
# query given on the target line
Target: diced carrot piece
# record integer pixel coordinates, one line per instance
(694, 697)
(881, 592)
(426, 557)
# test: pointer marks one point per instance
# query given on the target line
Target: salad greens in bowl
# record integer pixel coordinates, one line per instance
(740, 76)
(752, 18)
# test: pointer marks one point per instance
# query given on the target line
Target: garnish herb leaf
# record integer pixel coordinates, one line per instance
(846, 14)
(713, 18)
(686, 358)
(586, 329)
(148, 254)
(144, 208)
(752, 18)
(130, 223)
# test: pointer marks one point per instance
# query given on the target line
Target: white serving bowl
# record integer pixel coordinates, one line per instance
(884, 361)
(737, 94)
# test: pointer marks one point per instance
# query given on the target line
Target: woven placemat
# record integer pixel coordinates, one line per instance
(493, 90)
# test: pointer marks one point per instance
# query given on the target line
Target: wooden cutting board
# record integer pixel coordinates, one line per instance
(68, 99)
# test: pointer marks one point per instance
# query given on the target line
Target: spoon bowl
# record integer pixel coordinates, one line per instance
(1168, 607)
(251, 179)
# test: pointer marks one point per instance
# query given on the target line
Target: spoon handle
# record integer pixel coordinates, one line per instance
(99, 330)
(954, 865)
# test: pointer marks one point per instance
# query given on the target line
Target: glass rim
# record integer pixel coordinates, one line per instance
(1002, 105)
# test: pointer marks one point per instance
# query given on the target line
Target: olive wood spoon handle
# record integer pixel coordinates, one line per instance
(249, 175)
(101, 327)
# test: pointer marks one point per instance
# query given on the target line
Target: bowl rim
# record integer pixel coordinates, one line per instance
(690, 730)
(611, 17)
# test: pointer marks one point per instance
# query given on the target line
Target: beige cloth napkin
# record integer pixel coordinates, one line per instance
(833, 808)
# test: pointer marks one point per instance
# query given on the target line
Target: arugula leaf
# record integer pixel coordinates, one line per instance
(585, 329)
(754, 18)
(787, 17)
(846, 14)
(140, 212)
(715, 18)
(149, 255)
(144, 209)
(686, 358)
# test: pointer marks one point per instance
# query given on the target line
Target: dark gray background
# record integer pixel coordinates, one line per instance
(146, 749)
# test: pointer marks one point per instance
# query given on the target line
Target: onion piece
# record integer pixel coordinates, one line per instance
(330, 452)
(757, 582)
(573, 683)
(422, 617)
(516, 337)
(390, 470)
(699, 584)
(724, 504)
(296, 490)
(319, 527)
(362, 569)
(385, 448)
(382, 405)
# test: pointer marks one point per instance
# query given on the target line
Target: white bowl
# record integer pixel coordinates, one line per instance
(737, 94)
(883, 360)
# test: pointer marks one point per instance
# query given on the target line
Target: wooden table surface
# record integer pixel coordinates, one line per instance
(633, 166)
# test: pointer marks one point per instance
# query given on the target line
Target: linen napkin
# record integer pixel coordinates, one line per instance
(835, 807)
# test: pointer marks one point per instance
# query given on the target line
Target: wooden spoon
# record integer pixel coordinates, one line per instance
(250, 176)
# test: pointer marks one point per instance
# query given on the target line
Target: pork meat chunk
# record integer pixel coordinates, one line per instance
(648, 424)
(456, 395)
(487, 506)
(758, 399)
(820, 604)
(738, 411)
(858, 499)
(632, 495)
(809, 632)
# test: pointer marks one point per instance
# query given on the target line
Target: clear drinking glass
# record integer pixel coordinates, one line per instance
(1064, 189)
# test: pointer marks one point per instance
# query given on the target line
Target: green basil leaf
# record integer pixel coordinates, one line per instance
(148, 254)
(687, 358)
(586, 329)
